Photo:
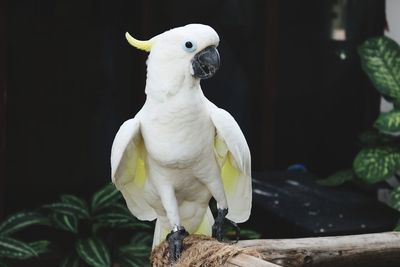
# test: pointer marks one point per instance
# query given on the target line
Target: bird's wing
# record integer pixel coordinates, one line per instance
(233, 155)
(128, 168)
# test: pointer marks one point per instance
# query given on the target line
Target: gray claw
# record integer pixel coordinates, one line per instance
(175, 241)
(217, 229)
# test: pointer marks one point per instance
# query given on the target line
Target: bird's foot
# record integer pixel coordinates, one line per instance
(175, 242)
(217, 229)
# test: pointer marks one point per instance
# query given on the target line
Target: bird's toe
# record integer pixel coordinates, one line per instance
(175, 242)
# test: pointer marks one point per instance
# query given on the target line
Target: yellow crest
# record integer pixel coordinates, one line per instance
(142, 45)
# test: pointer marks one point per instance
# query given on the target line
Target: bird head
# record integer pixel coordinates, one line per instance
(181, 54)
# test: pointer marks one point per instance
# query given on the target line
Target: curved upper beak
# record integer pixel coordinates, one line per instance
(206, 63)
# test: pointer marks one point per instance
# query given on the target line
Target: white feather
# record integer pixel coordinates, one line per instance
(126, 153)
(164, 160)
(232, 143)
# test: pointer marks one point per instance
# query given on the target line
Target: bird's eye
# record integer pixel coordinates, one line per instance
(189, 46)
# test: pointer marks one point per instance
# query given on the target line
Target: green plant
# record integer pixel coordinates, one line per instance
(13, 249)
(100, 234)
(105, 232)
(379, 158)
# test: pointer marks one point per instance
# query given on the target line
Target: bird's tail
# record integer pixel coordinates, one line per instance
(205, 228)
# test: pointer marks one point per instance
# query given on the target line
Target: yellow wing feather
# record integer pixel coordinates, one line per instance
(233, 156)
(230, 175)
(128, 166)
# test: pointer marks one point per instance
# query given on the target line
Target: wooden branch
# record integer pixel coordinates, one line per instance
(382, 249)
(377, 250)
(243, 260)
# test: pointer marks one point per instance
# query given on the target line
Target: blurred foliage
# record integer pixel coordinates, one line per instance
(337, 178)
(230, 234)
(100, 234)
(379, 157)
(12, 249)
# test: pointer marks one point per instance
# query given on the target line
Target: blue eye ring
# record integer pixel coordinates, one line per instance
(189, 46)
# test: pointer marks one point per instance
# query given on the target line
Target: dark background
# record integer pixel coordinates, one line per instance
(68, 79)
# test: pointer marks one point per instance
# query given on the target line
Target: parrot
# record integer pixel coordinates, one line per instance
(180, 150)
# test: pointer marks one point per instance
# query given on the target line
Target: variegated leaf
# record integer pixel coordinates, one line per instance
(130, 261)
(389, 122)
(65, 222)
(117, 208)
(74, 200)
(105, 197)
(70, 261)
(138, 225)
(20, 221)
(137, 250)
(114, 215)
(68, 209)
(40, 247)
(395, 198)
(15, 249)
(380, 59)
(376, 164)
(94, 252)
(142, 238)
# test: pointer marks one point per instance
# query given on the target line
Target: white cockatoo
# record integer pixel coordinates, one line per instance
(180, 149)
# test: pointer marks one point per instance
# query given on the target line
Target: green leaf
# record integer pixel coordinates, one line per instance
(113, 215)
(142, 238)
(395, 198)
(139, 246)
(40, 247)
(76, 201)
(105, 197)
(389, 123)
(134, 225)
(376, 138)
(249, 234)
(117, 210)
(117, 215)
(70, 261)
(130, 261)
(376, 164)
(20, 221)
(15, 249)
(94, 252)
(369, 137)
(337, 178)
(230, 233)
(380, 59)
(68, 209)
(65, 222)
(137, 250)
(129, 226)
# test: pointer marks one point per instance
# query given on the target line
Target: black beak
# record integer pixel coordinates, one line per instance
(206, 63)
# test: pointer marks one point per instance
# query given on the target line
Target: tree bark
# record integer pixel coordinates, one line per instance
(379, 250)
(243, 260)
